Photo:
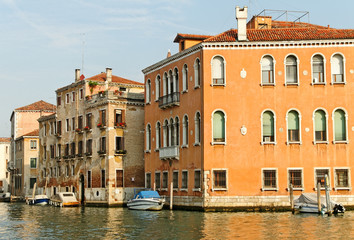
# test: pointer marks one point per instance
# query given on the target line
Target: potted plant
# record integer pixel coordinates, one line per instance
(92, 85)
(86, 128)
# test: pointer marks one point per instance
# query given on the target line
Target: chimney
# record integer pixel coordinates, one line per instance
(109, 74)
(241, 17)
(169, 53)
(77, 75)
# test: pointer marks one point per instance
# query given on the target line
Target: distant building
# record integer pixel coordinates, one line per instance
(24, 144)
(93, 145)
(233, 120)
(5, 144)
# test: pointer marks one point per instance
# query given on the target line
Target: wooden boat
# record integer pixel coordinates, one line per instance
(307, 203)
(5, 197)
(64, 199)
(38, 200)
(146, 200)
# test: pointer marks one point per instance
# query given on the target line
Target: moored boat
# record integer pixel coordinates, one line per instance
(38, 200)
(146, 200)
(5, 197)
(64, 199)
(307, 203)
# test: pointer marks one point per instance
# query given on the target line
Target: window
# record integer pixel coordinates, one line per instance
(165, 87)
(44, 152)
(67, 170)
(120, 145)
(219, 180)
(197, 128)
(67, 99)
(102, 145)
(103, 178)
(175, 76)
(166, 134)
(89, 182)
(320, 177)
(52, 151)
(80, 124)
(33, 144)
(148, 137)
(165, 180)
(102, 120)
(197, 73)
(337, 67)
(175, 179)
(320, 126)
(148, 91)
(197, 182)
(119, 118)
(185, 179)
(147, 180)
(295, 178)
(32, 182)
(218, 71)
(157, 180)
(341, 178)
(55, 171)
(291, 70)
(59, 171)
(175, 133)
(158, 135)
(73, 124)
(88, 121)
(268, 135)
(185, 131)
(72, 170)
(270, 181)
(79, 149)
(33, 162)
(59, 127)
(119, 178)
(58, 100)
(218, 127)
(67, 125)
(293, 127)
(45, 129)
(81, 93)
(89, 147)
(318, 69)
(73, 96)
(184, 78)
(267, 70)
(157, 87)
(340, 126)
(73, 150)
(67, 149)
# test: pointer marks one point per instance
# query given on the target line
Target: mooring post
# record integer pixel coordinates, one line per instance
(171, 196)
(291, 191)
(319, 196)
(328, 199)
(154, 187)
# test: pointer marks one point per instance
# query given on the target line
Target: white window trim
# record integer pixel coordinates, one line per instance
(275, 128)
(164, 83)
(148, 138)
(154, 183)
(211, 67)
(151, 185)
(277, 180)
(72, 96)
(201, 181)
(158, 136)
(67, 98)
(274, 62)
(184, 78)
(174, 187)
(324, 69)
(157, 87)
(346, 126)
(197, 143)
(314, 128)
(315, 177)
(335, 179)
(164, 188)
(344, 75)
(212, 179)
(81, 97)
(185, 131)
(148, 92)
(197, 73)
(212, 128)
(287, 127)
(302, 179)
(182, 189)
(297, 70)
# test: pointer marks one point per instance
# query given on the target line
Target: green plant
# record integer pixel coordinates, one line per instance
(92, 85)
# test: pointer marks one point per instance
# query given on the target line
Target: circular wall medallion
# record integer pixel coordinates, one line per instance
(353, 129)
(351, 71)
(280, 129)
(280, 73)
(307, 129)
(305, 72)
(243, 73)
(243, 130)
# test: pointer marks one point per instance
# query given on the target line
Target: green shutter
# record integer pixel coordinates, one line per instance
(320, 121)
(268, 124)
(218, 125)
(293, 120)
(339, 126)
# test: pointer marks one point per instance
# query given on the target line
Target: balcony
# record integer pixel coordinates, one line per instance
(171, 152)
(169, 100)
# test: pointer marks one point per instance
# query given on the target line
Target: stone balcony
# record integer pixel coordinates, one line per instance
(171, 152)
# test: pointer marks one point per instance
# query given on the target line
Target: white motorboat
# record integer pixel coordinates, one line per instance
(64, 199)
(38, 200)
(307, 203)
(5, 197)
(146, 200)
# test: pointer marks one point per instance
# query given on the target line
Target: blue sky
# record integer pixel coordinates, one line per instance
(42, 41)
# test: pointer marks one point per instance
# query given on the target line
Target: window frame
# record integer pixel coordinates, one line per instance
(324, 70)
(315, 177)
(148, 139)
(35, 165)
(33, 144)
(212, 128)
(343, 65)
(264, 188)
(155, 180)
(273, 70)
(288, 142)
(314, 126)
(89, 179)
(197, 73)
(116, 177)
(302, 178)
(274, 142)
(196, 188)
(197, 126)
(175, 172)
(146, 180)
(335, 169)
(223, 70)
(185, 78)
(157, 136)
(148, 91)
(163, 187)
(185, 131)
(214, 188)
(157, 88)
(346, 126)
(184, 188)
(297, 70)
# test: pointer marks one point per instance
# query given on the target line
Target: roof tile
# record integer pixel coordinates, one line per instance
(102, 77)
(40, 105)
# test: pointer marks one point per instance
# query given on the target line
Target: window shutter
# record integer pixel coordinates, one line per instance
(293, 121)
(268, 124)
(267, 64)
(337, 64)
(218, 68)
(218, 125)
(339, 126)
(320, 121)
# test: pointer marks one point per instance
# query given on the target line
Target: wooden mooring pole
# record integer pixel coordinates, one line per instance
(171, 196)
(291, 191)
(319, 196)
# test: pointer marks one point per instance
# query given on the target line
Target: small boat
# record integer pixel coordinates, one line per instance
(38, 200)
(146, 200)
(307, 203)
(5, 197)
(64, 199)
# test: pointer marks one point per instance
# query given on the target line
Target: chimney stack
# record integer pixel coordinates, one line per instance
(109, 74)
(241, 17)
(77, 75)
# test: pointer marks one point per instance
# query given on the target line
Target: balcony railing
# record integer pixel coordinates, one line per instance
(169, 100)
(171, 152)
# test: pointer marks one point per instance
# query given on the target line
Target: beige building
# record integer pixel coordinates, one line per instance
(93, 145)
(4, 159)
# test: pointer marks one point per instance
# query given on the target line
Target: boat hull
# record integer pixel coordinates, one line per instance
(146, 204)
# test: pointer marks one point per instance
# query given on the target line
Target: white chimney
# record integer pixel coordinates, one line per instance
(109, 74)
(241, 17)
(77, 75)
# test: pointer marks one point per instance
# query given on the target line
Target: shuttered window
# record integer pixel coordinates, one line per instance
(337, 69)
(317, 69)
(218, 70)
(293, 126)
(268, 126)
(291, 70)
(320, 126)
(218, 127)
(267, 70)
(119, 178)
(339, 126)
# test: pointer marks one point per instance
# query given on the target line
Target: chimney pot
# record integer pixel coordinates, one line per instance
(109, 74)
(241, 17)
(77, 75)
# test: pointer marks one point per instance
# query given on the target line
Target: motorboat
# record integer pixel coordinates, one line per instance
(38, 200)
(146, 200)
(307, 203)
(64, 199)
(5, 197)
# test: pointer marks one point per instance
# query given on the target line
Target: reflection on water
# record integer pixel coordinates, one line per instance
(20, 221)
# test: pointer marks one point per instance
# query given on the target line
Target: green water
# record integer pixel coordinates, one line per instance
(20, 221)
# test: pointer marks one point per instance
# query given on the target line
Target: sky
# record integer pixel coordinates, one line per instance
(42, 42)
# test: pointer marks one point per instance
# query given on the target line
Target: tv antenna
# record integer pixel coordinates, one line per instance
(83, 52)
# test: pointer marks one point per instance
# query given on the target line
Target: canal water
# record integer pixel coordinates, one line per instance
(20, 221)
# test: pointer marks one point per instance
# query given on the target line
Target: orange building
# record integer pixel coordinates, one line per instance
(234, 119)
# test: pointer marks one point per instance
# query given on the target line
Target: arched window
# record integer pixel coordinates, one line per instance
(172, 133)
(177, 131)
(157, 87)
(318, 69)
(148, 91)
(170, 82)
(175, 80)
(337, 69)
(267, 70)
(218, 70)
(340, 129)
(320, 126)
(148, 137)
(291, 70)
(185, 77)
(293, 126)
(197, 128)
(268, 127)
(158, 135)
(218, 127)
(166, 134)
(185, 130)
(165, 84)
(197, 73)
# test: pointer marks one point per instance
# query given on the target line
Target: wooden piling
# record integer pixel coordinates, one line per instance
(171, 196)
(291, 191)
(319, 196)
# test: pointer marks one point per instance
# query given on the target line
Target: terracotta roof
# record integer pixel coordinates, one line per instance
(5, 139)
(40, 105)
(288, 24)
(285, 34)
(33, 133)
(190, 36)
(102, 77)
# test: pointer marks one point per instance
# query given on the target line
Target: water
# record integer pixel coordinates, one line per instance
(20, 221)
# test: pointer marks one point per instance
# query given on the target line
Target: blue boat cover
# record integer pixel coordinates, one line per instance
(147, 194)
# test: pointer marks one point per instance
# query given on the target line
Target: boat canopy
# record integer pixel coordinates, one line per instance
(310, 198)
(147, 194)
